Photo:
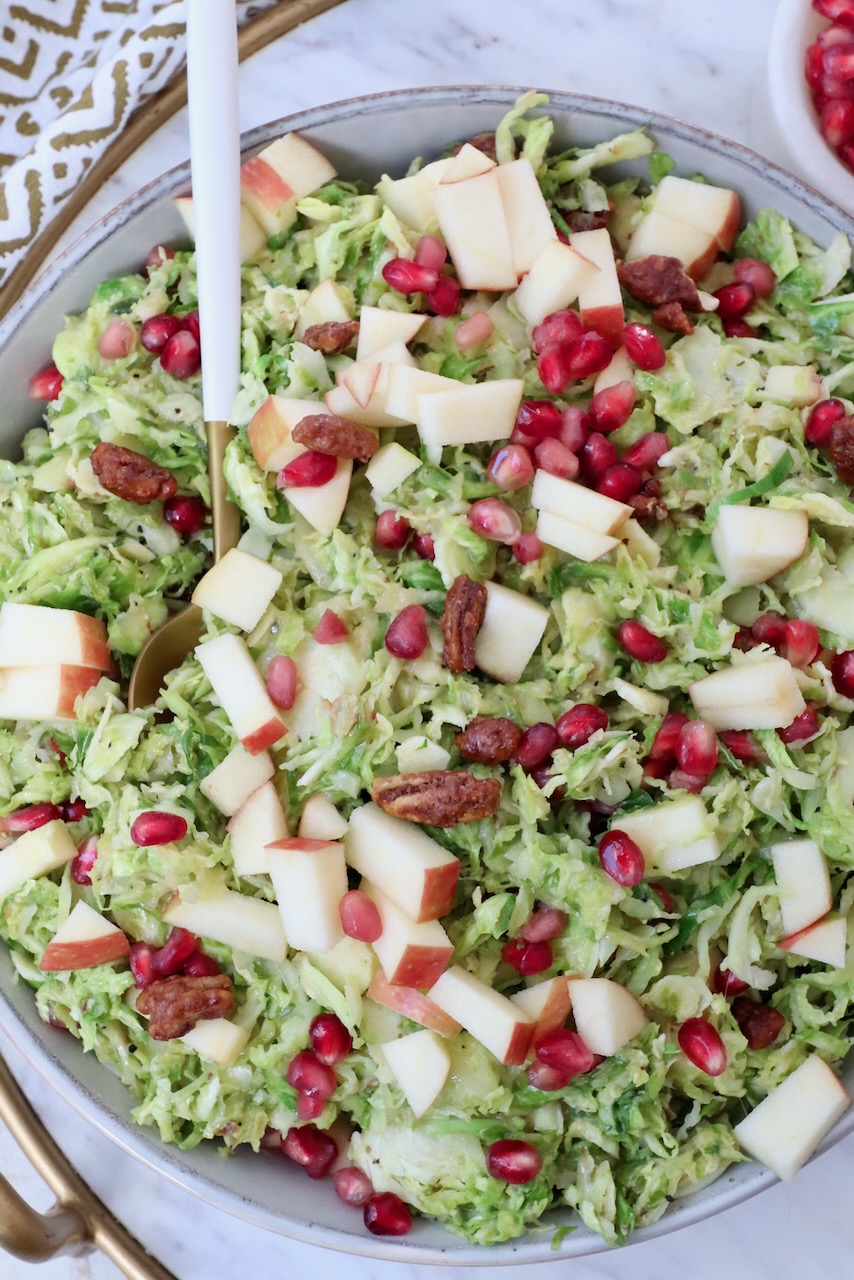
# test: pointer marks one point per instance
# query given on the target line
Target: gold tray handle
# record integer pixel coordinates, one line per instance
(79, 1222)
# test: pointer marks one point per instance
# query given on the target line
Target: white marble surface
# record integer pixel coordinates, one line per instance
(697, 60)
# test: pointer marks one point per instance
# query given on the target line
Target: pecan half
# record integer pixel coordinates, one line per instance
(332, 337)
(672, 316)
(440, 798)
(841, 449)
(174, 1005)
(327, 433)
(484, 142)
(489, 739)
(130, 475)
(587, 219)
(647, 502)
(659, 279)
(465, 607)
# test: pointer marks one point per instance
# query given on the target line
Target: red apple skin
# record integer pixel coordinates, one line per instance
(73, 682)
(412, 1004)
(440, 887)
(726, 236)
(302, 845)
(269, 733)
(95, 652)
(608, 321)
(266, 432)
(703, 265)
(555, 1010)
(264, 183)
(420, 966)
(84, 954)
(520, 1044)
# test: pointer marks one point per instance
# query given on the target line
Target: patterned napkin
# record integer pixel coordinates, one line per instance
(72, 72)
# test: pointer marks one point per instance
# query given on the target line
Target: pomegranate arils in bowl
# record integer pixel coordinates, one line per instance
(621, 858)
(87, 856)
(407, 634)
(554, 457)
(703, 1046)
(647, 452)
(330, 629)
(118, 340)
(527, 548)
(30, 818)
(495, 520)
(527, 958)
(179, 946)
(511, 467)
(820, 420)
(643, 348)
(561, 327)
(597, 455)
(620, 482)
(307, 1074)
(611, 408)
(734, 301)
(554, 367)
(537, 419)
(352, 1186)
(590, 354)
(445, 299)
(310, 470)
(512, 1160)
(360, 917)
(537, 744)
(577, 725)
(385, 1214)
(664, 743)
(842, 673)
(410, 277)
(546, 923)
(155, 827)
(757, 274)
(801, 643)
(46, 384)
(186, 513)
(565, 1051)
(281, 681)
(311, 1147)
(759, 1023)
(430, 252)
(181, 355)
(639, 643)
(157, 330)
(475, 331)
(330, 1039)
(697, 748)
(392, 531)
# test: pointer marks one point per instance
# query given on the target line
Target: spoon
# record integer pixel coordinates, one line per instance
(215, 165)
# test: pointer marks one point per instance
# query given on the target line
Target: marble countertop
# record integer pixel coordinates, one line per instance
(698, 61)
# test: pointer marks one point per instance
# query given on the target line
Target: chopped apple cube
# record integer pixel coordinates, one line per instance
(267, 196)
(320, 820)
(411, 954)
(715, 210)
(420, 1063)
(389, 467)
(327, 672)
(672, 834)
(412, 1004)
(547, 1004)
(323, 505)
(84, 940)
(753, 695)
(577, 504)
(412, 199)
(406, 385)
(269, 431)
(639, 544)
(252, 236)
(244, 923)
(362, 396)
(469, 162)
(219, 1040)
(619, 370)
(511, 632)
(43, 693)
(328, 303)
(36, 853)
(259, 821)
(600, 300)
(801, 871)
(418, 753)
(36, 635)
(238, 589)
(414, 871)
(310, 879)
(379, 327)
(752, 544)
(824, 941)
(471, 413)
(526, 212)
(237, 683)
(232, 782)
(659, 234)
(785, 1129)
(298, 163)
(473, 225)
(797, 385)
(584, 544)
(500, 1025)
(607, 1016)
(554, 280)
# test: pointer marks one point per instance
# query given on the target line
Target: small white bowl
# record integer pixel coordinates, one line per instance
(784, 125)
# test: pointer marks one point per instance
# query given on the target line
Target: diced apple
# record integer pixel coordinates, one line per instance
(607, 1016)
(43, 693)
(577, 504)
(584, 544)
(320, 820)
(787, 1126)
(35, 635)
(412, 199)
(269, 431)
(824, 941)
(526, 212)
(252, 237)
(350, 965)
(546, 1003)
(802, 875)
(413, 870)
(796, 385)
(232, 782)
(411, 1003)
(418, 753)
(327, 672)
(310, 879)
(715, 210)
(390, 466)
(672, 834)
(600, 301)
(219, 1040)
(298, 163)
(511, 632)
(643, 700)
(752, 544)
(554, 281)
(499, 1024)
(237, 683)
(328, 303)
(238, 589)
(323, 505)
(469, 162)
(34, 854)
(420, 1063)
(267, 196)
(473, 225)
(369, 381)
(753, 695)
(407, 385)
(659, 234)
(619, 370)
(244, 923)
(394, 353)
(379, 328)
(639, 544)
(411, 954)
(471, 413)
(259, 821)
(84, 940)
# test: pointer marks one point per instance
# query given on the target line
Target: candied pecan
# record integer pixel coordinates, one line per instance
(332, 337)
(759, 1023)
(465, 606)
(841, 449)
(489, 739)
(174, 1005)
(130, 475)
(327, 433)
(658, 279)
(647, 502)
(672, 316)
(587, 219)
(440, 797)
(484, 142)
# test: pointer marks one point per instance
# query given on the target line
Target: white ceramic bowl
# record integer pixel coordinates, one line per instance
(363, 137)
(784, 124)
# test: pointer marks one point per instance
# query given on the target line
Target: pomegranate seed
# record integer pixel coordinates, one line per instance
(554, 457)
(640, 644)
(820, 421)
(543, 775)
(647, 452)
(643, 348)
(156, 256)
(73, 810)
(309, 471)
(200, 965)
(842, 673)
(565, 1051)
(310, 1106)
(548, 1079)
(46, 384)
(836, 121)
(759, 1023)
(511, 1160)
(697, 748)
(352, 1186)
(118, 340)
(535, 420)
(30, 817)
(409, 277)
(577, 725)
(511, 467)
(157, 330)
(612, 408)
(407, 634)
(473, 332)
(734, 301)
(802, 728)
(536, 745)
(620, 482)
(574, 428)
(655, 768)
(744, 640)
(141, 965)
(430, 252)
(598, 454)
(621, 858)
(546, 923)
(702, 1046)
(392, 531)
(87, 856)
(838, 10)
(590, 354)
(175, 952)
(155, 827)
(814, 65)
(181, 357)
(307, 1074)
(191, 322)
(281, 681)
(561, 327)
(801, 643)
(528, 548)
(846, 155)
(770, 629)
(444, 300)
(527, 958)
(724, 983)
(494, 520)
(360, 917)
(385, 1214)
(424, 546)
(330, 1039)
(330, 629)
(309, 1146)
(743, 746)
(664, 743)
(667, 903)
(553, 367)
(757, 274)
(738, 329)
(186, 513)
(681, 780)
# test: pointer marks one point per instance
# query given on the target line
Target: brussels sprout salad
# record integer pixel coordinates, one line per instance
(491, 853)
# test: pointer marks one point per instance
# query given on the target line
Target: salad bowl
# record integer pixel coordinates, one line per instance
(364, 138)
